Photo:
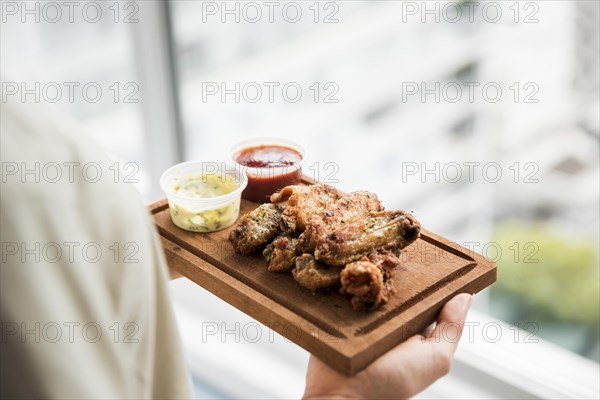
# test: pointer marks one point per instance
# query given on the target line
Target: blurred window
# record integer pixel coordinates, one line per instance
(475, 116)
(78, 57)
(480, 117)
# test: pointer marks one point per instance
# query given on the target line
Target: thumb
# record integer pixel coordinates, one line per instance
(450, 323)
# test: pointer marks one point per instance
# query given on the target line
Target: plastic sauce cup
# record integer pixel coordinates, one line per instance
(203, 214)
(264, 181)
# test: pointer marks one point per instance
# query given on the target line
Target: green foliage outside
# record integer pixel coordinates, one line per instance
(551, 279)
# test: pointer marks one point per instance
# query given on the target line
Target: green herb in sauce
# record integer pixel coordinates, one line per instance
(208, 220)
(204, 186)
(207, 186)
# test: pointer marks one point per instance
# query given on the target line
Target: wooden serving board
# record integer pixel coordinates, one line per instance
(432, 271)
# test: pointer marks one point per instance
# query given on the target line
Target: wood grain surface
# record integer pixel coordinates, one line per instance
(432, 271)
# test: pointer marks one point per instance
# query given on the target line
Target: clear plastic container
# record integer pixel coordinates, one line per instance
(264, 181)
(190, 188)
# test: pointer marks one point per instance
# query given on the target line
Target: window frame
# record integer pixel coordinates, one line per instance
(154, 59)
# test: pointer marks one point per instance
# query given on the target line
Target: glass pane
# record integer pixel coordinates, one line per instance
(78, 57)
(482, 117)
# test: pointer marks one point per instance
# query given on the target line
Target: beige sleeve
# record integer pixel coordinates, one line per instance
(84, 302)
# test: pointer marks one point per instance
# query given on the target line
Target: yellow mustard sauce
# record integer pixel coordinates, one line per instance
(208, 219)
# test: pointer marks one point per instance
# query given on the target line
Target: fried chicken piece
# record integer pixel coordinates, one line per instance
(351, 208)
(387, 262)
(347, 241)
(384, 229)
(367, 284)
(313, 275)
(384, 259)
(303, 202)
(256, 229)
(356, 206)
(281, 254)
(369, 280)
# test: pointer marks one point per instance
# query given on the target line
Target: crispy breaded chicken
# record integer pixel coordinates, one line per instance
(281, 254)
(364, 282)
(351, 208)
(387, 262)
(383, 258)
(313, 275)
(304, 202)
(256, 229)
(329, 240)
(369, 288)
(381, 230)
(355, 207)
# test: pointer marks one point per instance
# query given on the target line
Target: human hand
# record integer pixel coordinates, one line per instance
(402, 372)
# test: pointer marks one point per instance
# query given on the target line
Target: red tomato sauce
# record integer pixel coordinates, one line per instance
(266, 156)
(266, 180)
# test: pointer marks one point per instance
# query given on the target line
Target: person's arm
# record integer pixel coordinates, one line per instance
(402, 372)
(119, 288)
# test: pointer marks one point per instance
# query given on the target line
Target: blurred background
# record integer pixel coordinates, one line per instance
(481, 117)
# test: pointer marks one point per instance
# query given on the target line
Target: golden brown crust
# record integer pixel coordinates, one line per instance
(381, 230)
(369, 280)
(354, 207)
(281, 254)
(304, 202)
(364, 282)
(312, 275)
(256, 229)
